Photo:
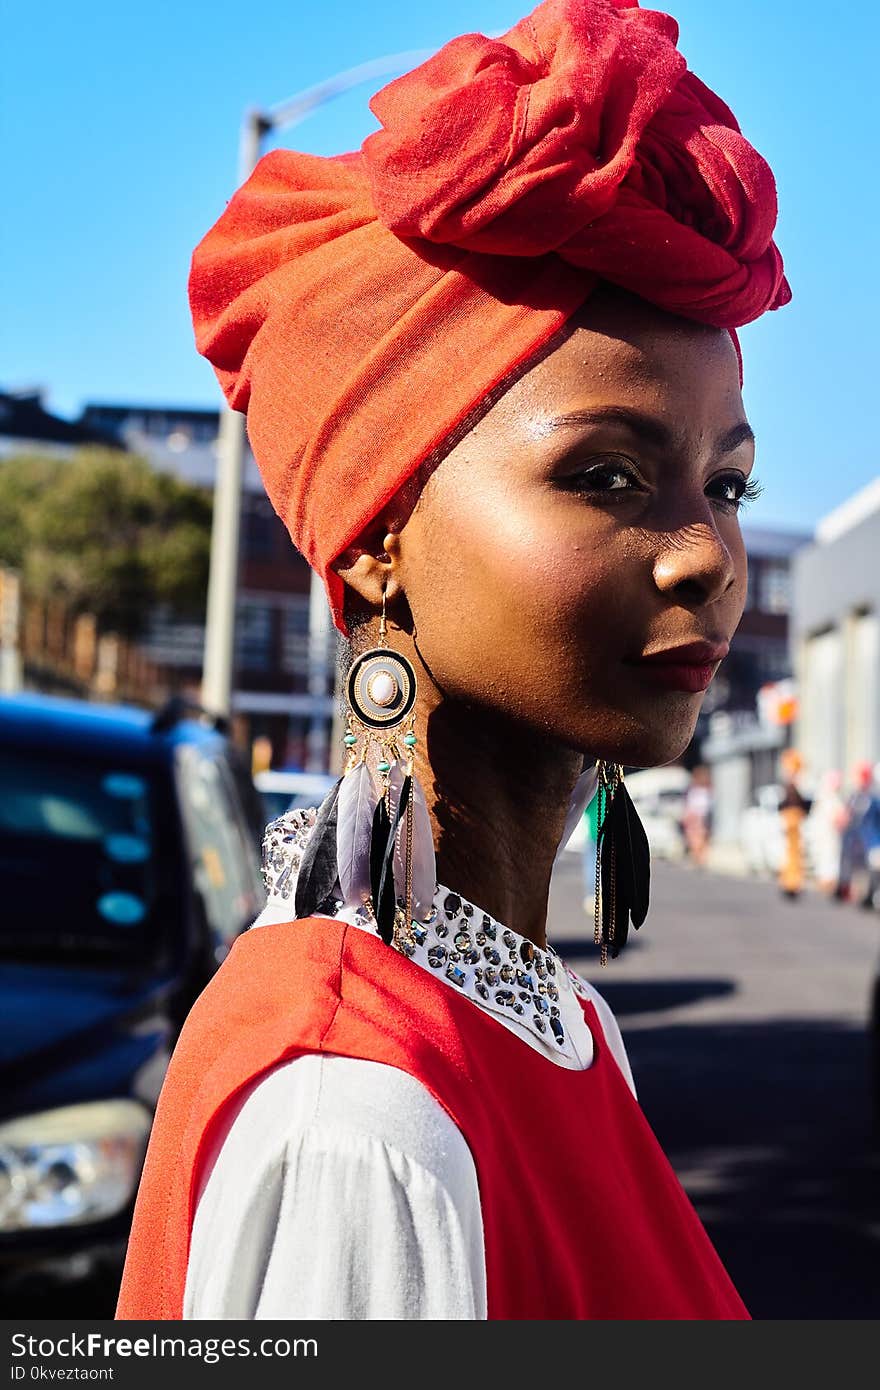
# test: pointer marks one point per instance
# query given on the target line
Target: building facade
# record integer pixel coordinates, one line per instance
(734, 736)
(760, 651)
(836, 638)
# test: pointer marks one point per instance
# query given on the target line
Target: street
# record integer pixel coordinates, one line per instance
(744, 1016)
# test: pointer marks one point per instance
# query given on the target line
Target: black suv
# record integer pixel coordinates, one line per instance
(129, 862)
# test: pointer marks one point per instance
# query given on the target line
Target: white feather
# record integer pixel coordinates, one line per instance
(356, 804)
(581, 796)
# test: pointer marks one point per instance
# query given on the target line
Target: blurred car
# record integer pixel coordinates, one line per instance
(287, 790)
(658, 795)
(760, 830)
(129, 864)
(874, 1044)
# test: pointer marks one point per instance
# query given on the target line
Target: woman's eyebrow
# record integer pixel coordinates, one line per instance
(651, 429)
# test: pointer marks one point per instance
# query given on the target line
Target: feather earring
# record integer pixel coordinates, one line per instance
(381, 863)
(623, 863)
(354, 828)
(384, 841)
(318, 869)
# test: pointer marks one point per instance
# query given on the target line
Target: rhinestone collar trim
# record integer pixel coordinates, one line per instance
(456, 941)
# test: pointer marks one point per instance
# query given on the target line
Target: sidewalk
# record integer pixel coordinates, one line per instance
(728, 859)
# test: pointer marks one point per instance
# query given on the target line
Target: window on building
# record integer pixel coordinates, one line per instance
(774, 662)
(253, 636)
(752, 591)
(295, 636)
(169, 641)
(259, 529)
(776, 588)
(205, 430)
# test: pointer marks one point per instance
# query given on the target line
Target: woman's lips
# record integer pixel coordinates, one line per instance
(689, 666)
(680, 675)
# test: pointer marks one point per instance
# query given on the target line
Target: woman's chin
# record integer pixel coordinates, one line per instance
(638, 744)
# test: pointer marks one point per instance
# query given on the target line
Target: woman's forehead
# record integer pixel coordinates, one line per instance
(625, 357)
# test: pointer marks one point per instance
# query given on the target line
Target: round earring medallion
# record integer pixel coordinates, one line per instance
(381, 688)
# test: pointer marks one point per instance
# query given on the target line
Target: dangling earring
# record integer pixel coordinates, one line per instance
(623, 863)
(384, 846)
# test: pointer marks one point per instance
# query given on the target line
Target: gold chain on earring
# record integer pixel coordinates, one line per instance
(383, 641)
(606, 787)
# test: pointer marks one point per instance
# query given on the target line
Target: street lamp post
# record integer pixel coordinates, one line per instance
(219, 653)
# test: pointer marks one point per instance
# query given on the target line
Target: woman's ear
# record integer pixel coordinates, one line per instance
(370, 566)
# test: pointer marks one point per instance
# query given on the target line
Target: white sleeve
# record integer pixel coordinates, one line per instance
(338, 1189)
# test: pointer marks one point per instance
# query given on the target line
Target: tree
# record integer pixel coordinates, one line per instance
(107, 533)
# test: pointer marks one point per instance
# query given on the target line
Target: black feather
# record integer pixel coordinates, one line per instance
(318, 868)
(388, 857)
(615, 904)
(378, 841)
(625, 869)
(633, 833)
(381, 862)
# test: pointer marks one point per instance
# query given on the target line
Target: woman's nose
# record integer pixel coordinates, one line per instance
(695, 562)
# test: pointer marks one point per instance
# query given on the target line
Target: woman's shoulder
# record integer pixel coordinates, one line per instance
(346, 1105)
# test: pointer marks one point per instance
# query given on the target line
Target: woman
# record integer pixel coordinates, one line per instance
(793, 808)
(493, 390)
(827, 818)
(697, 815)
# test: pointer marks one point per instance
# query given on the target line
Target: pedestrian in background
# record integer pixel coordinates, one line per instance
(871, 841)
(858, 827)
(827, 820)
(697, 816)
(793, 808)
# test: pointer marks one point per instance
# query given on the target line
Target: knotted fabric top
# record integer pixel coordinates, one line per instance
(360, 308)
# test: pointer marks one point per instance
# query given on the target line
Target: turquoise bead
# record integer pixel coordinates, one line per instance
(384, 767)
(410, 740)
(350, 739)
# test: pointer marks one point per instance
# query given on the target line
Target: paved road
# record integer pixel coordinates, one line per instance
(744, 1015)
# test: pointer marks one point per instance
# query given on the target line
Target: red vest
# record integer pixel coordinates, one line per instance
(583, 1216)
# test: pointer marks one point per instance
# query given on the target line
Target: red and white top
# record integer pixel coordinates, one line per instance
(456, 1140)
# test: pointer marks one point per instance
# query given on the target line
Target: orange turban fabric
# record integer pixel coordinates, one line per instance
(359, 308)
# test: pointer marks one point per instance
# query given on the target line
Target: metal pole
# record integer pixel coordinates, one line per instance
(320, 629)
(219, 655)
(10, 632)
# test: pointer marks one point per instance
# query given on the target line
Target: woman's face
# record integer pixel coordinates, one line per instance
(588, 519)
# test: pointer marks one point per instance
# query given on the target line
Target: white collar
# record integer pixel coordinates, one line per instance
(457, 942)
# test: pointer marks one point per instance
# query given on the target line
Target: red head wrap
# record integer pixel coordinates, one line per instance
(359, 308)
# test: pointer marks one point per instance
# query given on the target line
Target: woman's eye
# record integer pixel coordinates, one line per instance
(604, 477)
(735, 489)
(730, 492)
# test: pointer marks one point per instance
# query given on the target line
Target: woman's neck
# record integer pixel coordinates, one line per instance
(498, 797)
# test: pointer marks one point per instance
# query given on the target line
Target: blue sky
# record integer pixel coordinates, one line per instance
(119, 150)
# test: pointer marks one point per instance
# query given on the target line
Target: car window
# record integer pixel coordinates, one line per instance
(222, 861)
(84, 855)
(248, 818)
(275, 804)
